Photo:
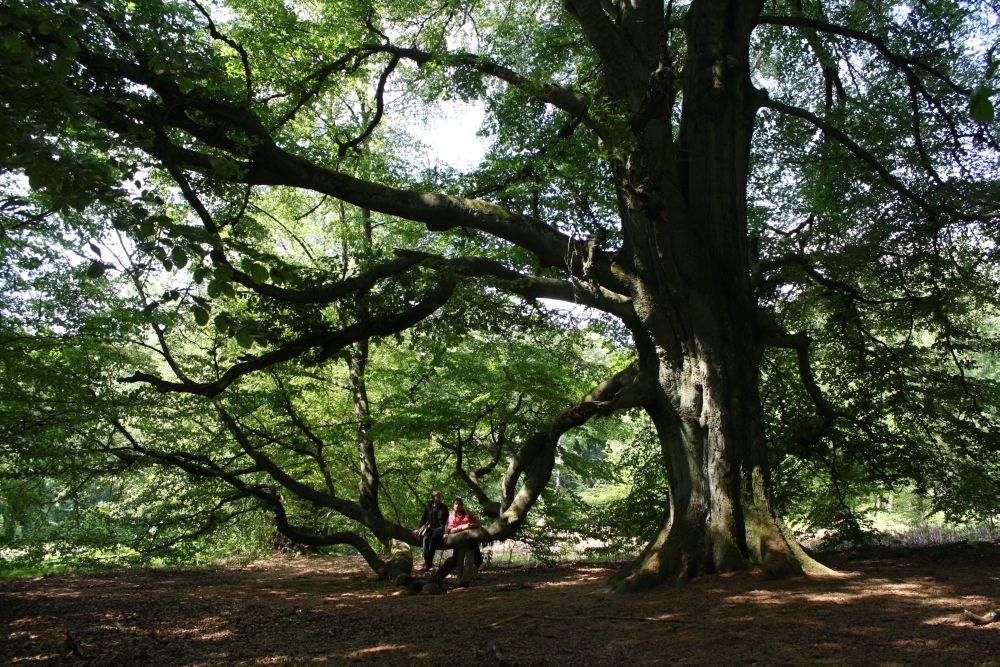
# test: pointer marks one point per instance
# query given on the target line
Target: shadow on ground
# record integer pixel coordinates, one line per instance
(885, 608)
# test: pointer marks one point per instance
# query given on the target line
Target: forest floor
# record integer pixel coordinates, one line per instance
(886, 607)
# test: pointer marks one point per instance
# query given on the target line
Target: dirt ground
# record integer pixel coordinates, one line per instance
(884, 608)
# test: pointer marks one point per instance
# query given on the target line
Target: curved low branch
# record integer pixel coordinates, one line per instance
(352, 510)
(773, 336)
(532, 464)
(490, 507)
(272, 500)
(801, 342)
(360, 544)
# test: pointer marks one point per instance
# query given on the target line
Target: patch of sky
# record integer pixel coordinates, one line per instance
(450, 132)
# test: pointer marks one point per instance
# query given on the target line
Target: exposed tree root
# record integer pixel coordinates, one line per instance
(982, 619)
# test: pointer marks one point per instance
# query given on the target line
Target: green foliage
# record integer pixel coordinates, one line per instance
(120, 262)
(898, 303)
(628, 502)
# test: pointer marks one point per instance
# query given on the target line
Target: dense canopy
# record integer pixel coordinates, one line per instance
(238, 283)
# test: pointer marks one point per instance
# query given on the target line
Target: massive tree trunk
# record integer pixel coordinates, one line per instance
(684, 205)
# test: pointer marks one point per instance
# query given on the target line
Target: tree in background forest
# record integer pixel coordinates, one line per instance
(785, 211)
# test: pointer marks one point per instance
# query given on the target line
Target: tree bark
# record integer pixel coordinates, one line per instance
(356, 358)
(684, 207)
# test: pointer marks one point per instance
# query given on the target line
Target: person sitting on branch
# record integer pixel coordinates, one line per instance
(432, 528)
(460, 519)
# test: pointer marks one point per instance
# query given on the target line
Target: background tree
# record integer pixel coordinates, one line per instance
(798, 193)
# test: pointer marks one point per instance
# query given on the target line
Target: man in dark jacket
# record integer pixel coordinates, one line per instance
(432, 525)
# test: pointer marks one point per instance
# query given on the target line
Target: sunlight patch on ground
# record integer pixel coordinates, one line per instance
(206, 629)
(216, 636)
(561, 584)
(921, 592)
(374, 650)
(54, 595)
(374, 595)
(944, 619)
(43, 658)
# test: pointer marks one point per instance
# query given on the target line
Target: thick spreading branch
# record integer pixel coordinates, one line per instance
(379, 109)
(533, 287)
(801, 342)
(473, 478)
(268, 496)
(351, 510)
(624, 72)
(326, 343)
(532, 465)
(258, 160)
(235, 46)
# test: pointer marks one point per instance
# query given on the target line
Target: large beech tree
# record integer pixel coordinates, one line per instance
(724, 179)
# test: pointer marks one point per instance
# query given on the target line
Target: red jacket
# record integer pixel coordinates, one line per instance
(456, 520)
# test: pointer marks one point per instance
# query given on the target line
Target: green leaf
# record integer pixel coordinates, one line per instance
(223, 273)
(179, 257)
(12, 43)
(259, 273)
(223, 323)
(201, 315)
(243, 337)
(96, 269)
(981, 106)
